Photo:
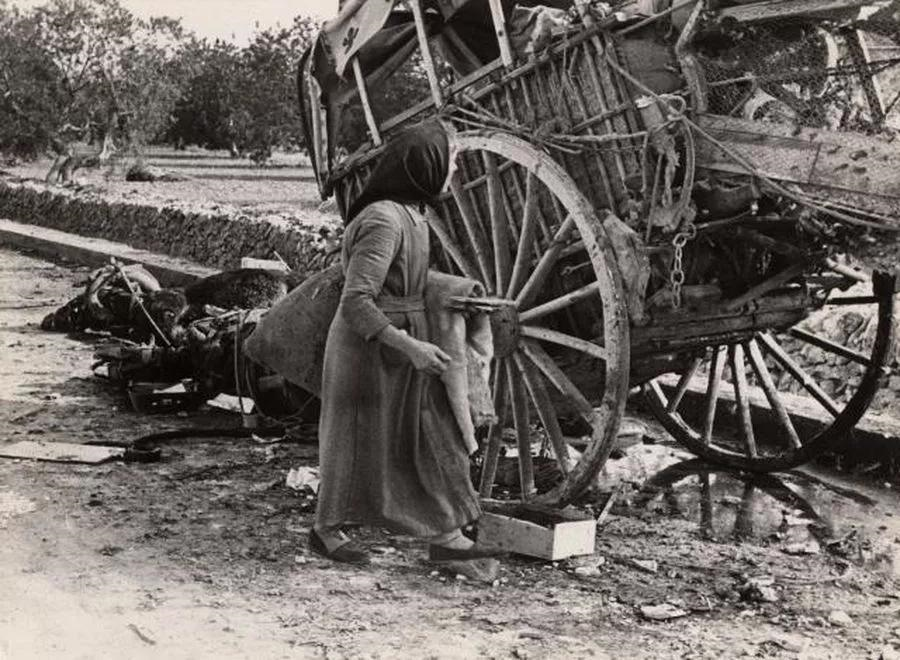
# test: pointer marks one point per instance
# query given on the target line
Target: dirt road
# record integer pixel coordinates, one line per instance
(203, 554)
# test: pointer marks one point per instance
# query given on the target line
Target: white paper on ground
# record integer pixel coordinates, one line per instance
(231, 403)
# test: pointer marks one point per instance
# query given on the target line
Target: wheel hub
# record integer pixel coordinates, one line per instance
(505, 330)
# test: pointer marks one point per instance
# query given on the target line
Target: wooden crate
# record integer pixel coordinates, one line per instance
(538, 532)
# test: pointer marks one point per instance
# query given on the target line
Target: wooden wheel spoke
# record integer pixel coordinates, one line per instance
(546, 263)
(547, 413)
(682, 386)
(562, 302)
(526, 236)
(741, 395)
(495, 432)
(500, 234)
(712, 394)
(523, 430)
(561, 338)
(830, 346)
(539, 357)
(768, 385)
(441, 230)
(795, 370)
(473, 232)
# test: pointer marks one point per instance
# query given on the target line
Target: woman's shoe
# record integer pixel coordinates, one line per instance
(347, 553)
(443, 553)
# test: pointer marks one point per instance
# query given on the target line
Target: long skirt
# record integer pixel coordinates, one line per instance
(390, 451)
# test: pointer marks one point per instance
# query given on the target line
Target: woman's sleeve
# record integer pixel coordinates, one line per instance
(374, 245)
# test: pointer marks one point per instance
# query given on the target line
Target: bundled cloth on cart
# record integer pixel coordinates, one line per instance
(290, 340)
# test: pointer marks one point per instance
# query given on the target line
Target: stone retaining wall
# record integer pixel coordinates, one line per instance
(217, 236)
(220, 236)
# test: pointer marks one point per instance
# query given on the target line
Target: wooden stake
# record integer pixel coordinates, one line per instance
(364, 100)
(506, 55)
(427, 59)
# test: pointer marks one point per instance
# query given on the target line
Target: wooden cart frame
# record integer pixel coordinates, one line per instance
(555, 149)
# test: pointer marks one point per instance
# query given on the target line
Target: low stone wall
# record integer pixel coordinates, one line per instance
(217, 236)
(220, 236)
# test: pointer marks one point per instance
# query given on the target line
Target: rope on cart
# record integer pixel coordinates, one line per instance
(799, 198)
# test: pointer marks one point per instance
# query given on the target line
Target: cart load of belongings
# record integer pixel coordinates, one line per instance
(381, 37)
(796, 73)
(174, 348)
(158, 337)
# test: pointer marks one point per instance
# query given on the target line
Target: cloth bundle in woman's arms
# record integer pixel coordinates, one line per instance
(290, 340)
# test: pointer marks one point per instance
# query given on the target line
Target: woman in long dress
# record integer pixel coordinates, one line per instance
(391, 451)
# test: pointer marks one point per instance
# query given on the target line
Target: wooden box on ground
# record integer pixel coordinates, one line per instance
(538, 531)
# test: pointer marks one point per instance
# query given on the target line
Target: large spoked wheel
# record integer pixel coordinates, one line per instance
(755, 404)
(516, 222)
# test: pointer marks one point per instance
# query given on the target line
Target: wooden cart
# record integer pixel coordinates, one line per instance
(645, 212)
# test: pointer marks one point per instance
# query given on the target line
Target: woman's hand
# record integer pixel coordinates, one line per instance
(424, 356)
(427, 357)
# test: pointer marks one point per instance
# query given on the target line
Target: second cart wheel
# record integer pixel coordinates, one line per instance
(516, 222)
(745, 391)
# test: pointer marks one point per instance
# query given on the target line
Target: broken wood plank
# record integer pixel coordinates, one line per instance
(61, 452)
(782, 9)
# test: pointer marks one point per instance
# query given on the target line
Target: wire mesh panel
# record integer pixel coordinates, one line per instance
(840, 73)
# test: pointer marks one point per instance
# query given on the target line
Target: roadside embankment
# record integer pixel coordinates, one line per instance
(213, 235)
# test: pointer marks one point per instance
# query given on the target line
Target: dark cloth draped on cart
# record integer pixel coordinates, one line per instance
(391, 452)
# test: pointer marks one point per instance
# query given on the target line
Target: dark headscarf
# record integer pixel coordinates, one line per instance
(412, 168)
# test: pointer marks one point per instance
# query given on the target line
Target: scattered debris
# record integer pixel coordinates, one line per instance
(61, 452)
(587, 571)
(267, 441)
(759, 590)
(810, 547)
(231, 403)
(141, 635)
(303, 478)
(663, 612)
(26, 413)
(839, 618)
(646, 565)
(478, 570)
(607, 507)
(790, 643)
(383, 550)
